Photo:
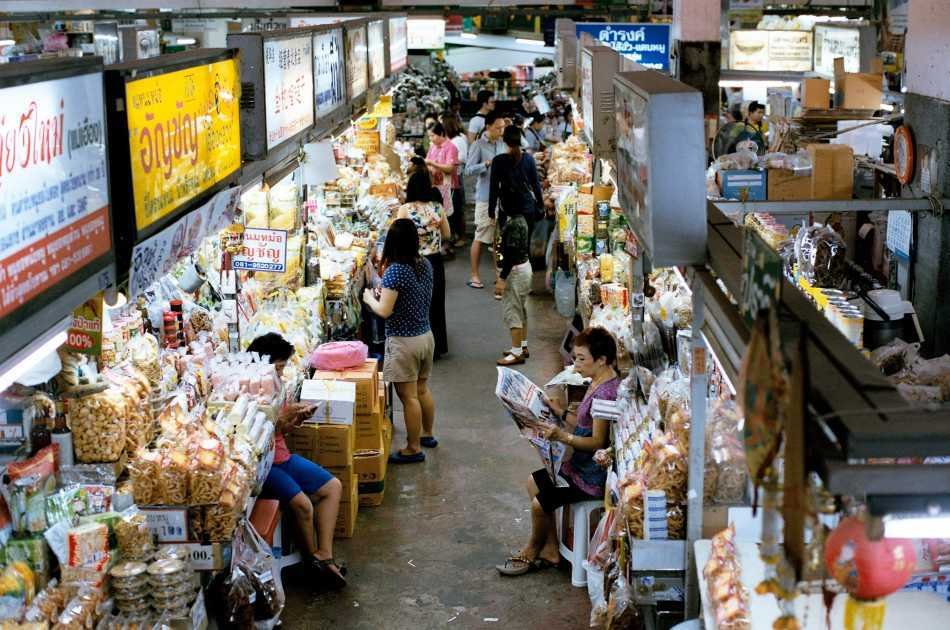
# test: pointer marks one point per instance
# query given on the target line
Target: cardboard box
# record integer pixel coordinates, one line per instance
(372, 492)
(370, 464)
(832, 171)
(368, 429)
(346, 518)
(387, 439)
(335, 400)
(857, 90)
(816, 93)
(745, 185)
(785, 185)
(366, 380)
(336, 445)
(304, 440)
(346, 476)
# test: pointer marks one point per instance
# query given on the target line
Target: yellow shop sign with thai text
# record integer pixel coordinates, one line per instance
(184, 135)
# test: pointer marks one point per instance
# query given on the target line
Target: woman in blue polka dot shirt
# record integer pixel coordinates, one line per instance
(404, 304)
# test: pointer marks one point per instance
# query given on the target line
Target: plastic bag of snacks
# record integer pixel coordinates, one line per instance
(820, 253)
(98, 422)
(144, 472)
(47, 605)
(725, 453)
(31, 481)
(133, 536)
(254, 556)
(173, 479)
(723, 573)
(206, 480)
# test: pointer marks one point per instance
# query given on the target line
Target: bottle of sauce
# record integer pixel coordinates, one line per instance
(62, 436)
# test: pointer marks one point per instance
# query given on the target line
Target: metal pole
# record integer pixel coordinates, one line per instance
(698, 390)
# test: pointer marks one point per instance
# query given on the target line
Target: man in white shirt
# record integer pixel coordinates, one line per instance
(480, 156)
(486, 103)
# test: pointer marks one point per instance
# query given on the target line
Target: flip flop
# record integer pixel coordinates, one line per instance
(516, 566)
(429, 441)
(330, 578)
(398, 457)
(475, 284)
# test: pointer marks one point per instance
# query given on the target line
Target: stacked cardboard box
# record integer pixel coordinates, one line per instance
(374, 433)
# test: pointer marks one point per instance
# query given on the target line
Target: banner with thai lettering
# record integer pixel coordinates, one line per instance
(85, 335)
(155, 256)
(398, 44)
(54, 187)
(329, 80)
(184, 136)
(356, 63)
(647, 44)
(377, 52)
(288, 87)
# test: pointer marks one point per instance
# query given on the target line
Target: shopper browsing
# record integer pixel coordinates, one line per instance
(442, 160)
(514, 191)
(432, 227)
(453, 129)
(534, 133)
(595, 357)
(297, 482)
(404, 304)
(478, 164)
(486, 103)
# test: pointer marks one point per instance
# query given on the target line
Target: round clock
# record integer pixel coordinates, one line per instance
(904, 154)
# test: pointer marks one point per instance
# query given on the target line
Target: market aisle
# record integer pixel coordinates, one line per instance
(425, 558)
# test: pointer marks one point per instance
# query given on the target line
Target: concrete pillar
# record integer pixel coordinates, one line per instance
(927, 105)
(698, 48)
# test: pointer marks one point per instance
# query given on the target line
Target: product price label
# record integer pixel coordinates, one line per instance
(168, 525)
(85, 335)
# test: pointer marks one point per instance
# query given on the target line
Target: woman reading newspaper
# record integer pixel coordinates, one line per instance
(595, 357)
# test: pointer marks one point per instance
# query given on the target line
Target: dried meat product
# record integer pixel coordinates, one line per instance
(820, 253)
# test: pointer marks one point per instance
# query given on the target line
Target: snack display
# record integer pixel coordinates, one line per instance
(133, 536)
(723, 575)
(98, 423)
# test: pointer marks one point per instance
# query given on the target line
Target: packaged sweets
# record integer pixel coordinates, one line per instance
(98, 422)
(133, 536)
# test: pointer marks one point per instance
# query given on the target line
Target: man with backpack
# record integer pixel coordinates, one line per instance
(486, 103)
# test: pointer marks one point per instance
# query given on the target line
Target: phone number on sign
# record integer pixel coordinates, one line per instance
(258, 266)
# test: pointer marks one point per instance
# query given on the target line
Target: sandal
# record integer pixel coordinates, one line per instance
(429, 441)
(516, 566)
(475, 284)
(524, 352)
(399, 457)
(332, 579)
(511, 359)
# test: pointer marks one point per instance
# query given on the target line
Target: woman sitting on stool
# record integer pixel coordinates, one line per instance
(595, 357)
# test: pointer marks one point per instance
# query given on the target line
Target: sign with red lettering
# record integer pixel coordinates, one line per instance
(54, 199)
(85, 335)
(263, 250)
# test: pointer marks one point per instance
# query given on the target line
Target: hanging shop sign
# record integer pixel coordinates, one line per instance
(398, 45)
(832, 42)
(262, 250)
(288, 87)
(777, 51)
(376, 46)
(184, 136)
(425, 33)
(85, 334)
(356, 63)
(367, 135)
(155, 257)
(328, 78)
(55, 226)
(761, 277)
(646, 44)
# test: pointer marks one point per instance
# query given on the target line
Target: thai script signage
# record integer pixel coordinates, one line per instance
(647, 44)
(288, 84)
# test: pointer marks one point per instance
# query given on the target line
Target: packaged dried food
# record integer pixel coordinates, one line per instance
(144, 472)
(97, 421)
(14, 592)
(87, 545)
(133, 536)
(47, 604)
(31, 481)
(820, 253)
(166, 572)
(129, 575)
(725, 454)
(173, 477)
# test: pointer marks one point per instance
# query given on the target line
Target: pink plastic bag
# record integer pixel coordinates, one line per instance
(339, 355)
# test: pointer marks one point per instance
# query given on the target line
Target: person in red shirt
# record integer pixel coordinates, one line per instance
(310, 492)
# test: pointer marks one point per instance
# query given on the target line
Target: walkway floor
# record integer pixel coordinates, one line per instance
(425, 558)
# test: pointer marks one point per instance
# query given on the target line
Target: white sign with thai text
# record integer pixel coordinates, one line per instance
(288, 84)
(263, 250)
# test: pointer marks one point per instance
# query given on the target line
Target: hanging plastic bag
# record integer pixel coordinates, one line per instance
(253, 555)
(539, 242)
(565, 293)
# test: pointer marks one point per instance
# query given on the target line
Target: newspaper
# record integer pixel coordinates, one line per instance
(524, 402)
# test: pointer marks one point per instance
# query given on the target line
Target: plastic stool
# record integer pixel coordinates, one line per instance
(577, 554)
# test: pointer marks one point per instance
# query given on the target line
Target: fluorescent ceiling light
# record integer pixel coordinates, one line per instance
(767, 83)
(917, 527)
(40, 349)
(530, 42)
(469, 36)
(186, 41)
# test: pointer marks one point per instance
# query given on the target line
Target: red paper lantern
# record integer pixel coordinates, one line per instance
(868, 569)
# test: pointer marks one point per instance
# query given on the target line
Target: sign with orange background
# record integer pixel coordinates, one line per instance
(184, 136)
